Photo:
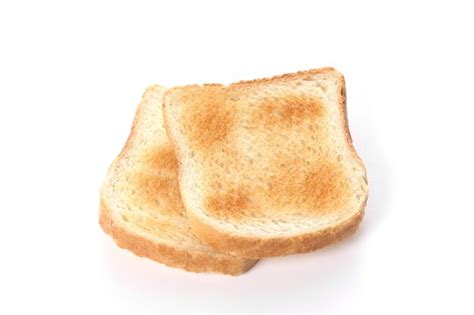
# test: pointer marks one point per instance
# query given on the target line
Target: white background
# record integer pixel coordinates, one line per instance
(71, 75)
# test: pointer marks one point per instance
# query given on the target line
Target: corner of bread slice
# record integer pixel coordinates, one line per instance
(267, 167)
(170, 255)
(140, 205)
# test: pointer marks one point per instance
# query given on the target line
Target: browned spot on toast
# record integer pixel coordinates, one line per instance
(287, 110)
(230, 204)
(208, 117)
(157, 186)
(325, 187)
(312, 189)
(162, 158)
(158, 192)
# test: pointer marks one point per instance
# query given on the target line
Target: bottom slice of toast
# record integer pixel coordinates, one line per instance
(140, 203)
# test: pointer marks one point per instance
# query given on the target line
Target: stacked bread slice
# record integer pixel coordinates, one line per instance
(214, 177)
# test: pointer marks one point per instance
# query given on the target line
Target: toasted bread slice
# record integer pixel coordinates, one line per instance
(267, 167)
(140, 203)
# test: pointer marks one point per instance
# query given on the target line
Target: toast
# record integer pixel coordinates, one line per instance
(267, 167)
(140, 205)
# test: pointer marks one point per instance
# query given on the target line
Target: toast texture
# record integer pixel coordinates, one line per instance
(140, 204)
(267, 167)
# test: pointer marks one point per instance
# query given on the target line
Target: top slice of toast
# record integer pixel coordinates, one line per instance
(267, 167)
(141, 206)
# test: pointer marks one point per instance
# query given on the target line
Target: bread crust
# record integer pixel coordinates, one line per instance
(256, 248)
(194, 261)
(253, 247)
(190, 260)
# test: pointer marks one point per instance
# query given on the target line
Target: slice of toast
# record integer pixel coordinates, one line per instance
(140, 203)
(267, 167)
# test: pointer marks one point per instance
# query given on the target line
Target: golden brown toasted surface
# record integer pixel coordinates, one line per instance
(294, 184)
(209, 113)
(208, 116)
(286, 110)
(285, 168)
(295, 181)
(152, 190)
(232, 202)
(162, 158)
(156, 182)
(293, 187)
(310, 190)
(324, 187)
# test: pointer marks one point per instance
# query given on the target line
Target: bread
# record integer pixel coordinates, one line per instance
(140, 203)
(267, 167)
